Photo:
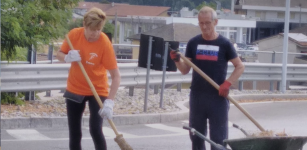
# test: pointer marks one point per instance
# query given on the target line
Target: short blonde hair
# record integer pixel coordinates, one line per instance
(94, 18)
(206, 10)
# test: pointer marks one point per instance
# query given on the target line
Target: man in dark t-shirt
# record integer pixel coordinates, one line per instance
(210, 52)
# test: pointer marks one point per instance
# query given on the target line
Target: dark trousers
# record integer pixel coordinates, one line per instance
(208, 107)
(74, 115)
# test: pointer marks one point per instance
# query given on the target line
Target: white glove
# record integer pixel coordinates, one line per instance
(107, 110)
(73, 55)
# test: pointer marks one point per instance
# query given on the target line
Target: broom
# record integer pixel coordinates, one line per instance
(218, 87)
(119, 139)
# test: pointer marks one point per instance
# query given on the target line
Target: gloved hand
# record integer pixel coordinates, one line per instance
(174, 56)
(107, 110)
(224, 88)
(73, 55)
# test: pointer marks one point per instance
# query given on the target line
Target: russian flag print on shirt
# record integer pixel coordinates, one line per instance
(207, 52)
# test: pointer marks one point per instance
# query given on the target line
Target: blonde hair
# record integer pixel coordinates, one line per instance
(206, 10)
(94, 18)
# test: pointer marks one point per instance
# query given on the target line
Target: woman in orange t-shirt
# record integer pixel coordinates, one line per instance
(95, 51)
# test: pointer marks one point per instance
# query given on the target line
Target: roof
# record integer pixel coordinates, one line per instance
(302, 30)
(272, 3)
(297, 38)
(124, 10)
(181, 32)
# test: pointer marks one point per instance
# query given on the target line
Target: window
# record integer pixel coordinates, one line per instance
(292, 15)
(258, 14)
(281, 15)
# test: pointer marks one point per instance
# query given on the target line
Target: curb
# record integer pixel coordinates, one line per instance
(56, 122)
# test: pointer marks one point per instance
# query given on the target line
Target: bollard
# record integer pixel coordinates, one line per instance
(131, 90)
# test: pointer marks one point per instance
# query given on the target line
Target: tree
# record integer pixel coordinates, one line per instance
(108, 27)
(29, 22)
(105, 2)
(211, 4)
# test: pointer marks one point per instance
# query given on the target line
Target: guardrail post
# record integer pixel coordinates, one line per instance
(156, 89)
(273, 61)
(131, 90)
(271, 85)
(48, 93)
(278, 85)
(50, 53)
(254, 85)
(179, 87)
(240, 85)
(32, 59)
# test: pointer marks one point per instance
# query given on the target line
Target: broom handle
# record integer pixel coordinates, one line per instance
(218, 87)
(92, 87)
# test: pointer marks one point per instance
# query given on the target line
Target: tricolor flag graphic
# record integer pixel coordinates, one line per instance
(207, 52)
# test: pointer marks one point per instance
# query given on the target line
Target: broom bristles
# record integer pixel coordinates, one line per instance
(119, 139)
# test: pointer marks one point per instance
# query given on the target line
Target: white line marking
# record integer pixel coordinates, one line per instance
(108, 132)
(27, 134)
(166, 128)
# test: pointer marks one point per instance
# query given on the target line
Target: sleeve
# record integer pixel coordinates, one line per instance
(230, 51)
(65, 47)
(109, 58)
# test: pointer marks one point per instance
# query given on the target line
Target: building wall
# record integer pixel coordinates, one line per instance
(135, 50)
(276, 16)
(275, 44)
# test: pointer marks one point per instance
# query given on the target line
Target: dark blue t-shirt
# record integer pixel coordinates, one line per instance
(212, 58)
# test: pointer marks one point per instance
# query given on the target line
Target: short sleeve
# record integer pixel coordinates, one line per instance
(109, 58)
(65, 47)
(231, 52)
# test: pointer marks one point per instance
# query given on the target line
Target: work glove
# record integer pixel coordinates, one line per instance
(224, 88)
(73, 55)
(174, 55)
(107, 110)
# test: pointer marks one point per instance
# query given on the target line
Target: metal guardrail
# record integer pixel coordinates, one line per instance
(42, 77)
(57, 61)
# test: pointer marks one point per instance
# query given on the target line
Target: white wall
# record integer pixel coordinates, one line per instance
(275, 44)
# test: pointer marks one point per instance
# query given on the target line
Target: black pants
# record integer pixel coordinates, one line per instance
(210, 107)
(74, 115)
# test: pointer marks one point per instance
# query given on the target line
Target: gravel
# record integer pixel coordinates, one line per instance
(124, 103)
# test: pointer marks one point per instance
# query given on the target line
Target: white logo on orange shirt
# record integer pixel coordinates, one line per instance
(89, 63)
(93, 55)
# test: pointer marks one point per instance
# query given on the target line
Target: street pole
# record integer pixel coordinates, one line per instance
(285, 48)
(300, 5)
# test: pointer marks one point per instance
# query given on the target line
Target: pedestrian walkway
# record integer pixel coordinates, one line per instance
(136, 131)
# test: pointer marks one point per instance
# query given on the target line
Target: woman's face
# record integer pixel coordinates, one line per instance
(92, 34)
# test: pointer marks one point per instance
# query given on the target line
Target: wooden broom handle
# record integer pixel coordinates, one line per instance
(218, 87)
(88, 80)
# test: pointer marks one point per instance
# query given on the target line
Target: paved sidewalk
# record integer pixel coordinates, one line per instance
(131, 119)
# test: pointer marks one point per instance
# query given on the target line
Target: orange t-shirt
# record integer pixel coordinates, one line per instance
(96, 57)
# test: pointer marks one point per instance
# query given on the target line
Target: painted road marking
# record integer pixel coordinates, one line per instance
(27, 134)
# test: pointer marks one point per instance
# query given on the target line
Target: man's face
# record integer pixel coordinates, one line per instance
(206, 23)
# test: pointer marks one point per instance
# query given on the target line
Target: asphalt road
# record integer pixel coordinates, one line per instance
(276, 116)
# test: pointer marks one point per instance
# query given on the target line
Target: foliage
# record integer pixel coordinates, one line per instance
(175, 5)
(105, 2)
(19, 55)
(29, 22)
(11, 98)
(211, 4)
(108, 27)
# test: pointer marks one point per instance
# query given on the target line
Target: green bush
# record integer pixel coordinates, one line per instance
(11, 98)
